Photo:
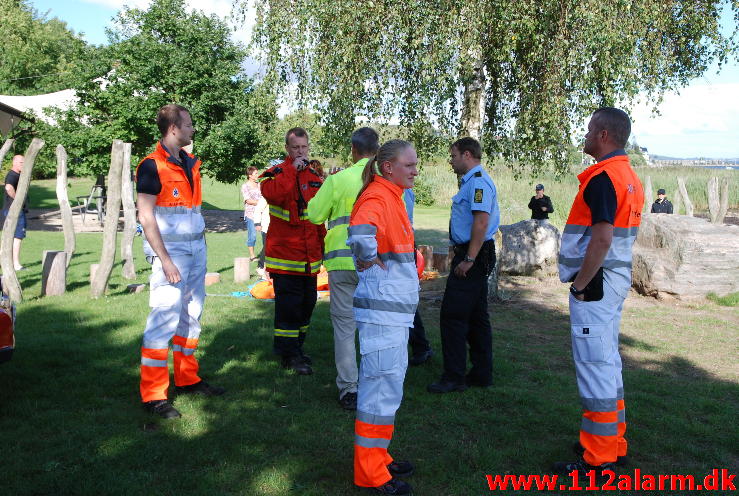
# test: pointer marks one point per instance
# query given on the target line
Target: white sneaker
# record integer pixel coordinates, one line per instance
(262, 273)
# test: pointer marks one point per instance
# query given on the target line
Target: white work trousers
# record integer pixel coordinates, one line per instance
(343, 283)
(176, 308)
(382, 370)
(595, 331)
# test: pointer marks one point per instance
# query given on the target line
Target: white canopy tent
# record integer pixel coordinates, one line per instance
(13, 109)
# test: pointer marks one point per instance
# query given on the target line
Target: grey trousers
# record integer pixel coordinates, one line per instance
(342, 284)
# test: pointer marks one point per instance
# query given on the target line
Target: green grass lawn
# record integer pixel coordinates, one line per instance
(72, 422)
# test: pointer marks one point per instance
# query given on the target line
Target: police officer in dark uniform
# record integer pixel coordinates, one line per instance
(464, 310)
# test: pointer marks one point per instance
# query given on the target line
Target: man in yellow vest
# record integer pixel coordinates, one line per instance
(334, 203)
(595, 257)
(169, 202)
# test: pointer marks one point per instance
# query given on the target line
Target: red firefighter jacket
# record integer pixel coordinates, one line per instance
(294, 244)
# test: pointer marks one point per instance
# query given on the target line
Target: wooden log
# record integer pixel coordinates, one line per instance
(648, 194)
(5, 148)
(93, 270)
(64, 208)
(53, 273)
(212, 278)
(129, 216)
(441, 262)
(10, 279)
(136, 288)
(724, 202)
(677, 202)
(241, 269)
(714, 204)
(685, 197)
(428, 256)
(110, 227)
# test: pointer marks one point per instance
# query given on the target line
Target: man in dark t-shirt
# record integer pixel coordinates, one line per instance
(11, 187)
(540, 204)
(662, 205)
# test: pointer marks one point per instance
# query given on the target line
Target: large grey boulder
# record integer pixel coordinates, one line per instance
(528, 248)
(686, 257)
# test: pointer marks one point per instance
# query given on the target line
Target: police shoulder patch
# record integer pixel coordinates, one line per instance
(478, 174)
(478, 195)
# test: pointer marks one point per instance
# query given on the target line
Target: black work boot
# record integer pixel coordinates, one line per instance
(394, 486)
(578, 449)
(401, 469)
(163, 408)
(348, 401)
(201, 387)
(565, 468)
(446, 386)
(297, 364)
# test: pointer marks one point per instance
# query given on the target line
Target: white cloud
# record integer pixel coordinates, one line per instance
(700, 121)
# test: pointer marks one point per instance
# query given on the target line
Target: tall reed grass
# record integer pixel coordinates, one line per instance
(514, 192)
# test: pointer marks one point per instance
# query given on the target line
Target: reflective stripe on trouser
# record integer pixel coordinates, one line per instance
(595, 329)
(295, 298)
(343, 283)
(381, 374)
(175, 315)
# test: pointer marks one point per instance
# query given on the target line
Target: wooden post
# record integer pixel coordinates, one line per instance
(93, 270)
(648, 194)
(10, 279)
(714, 204)
(110, 228)
(64, 208)
(428, 256)
(4, 150)
(677, 202)
(241, 269)
(129, 215)
(54, 273)
(441, 262)
(685, 197)
(724, 203)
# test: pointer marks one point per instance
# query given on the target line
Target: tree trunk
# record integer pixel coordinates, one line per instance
(54, 273)
(64, 208)
(473, 104)
(4, 150)
(10, 280)
(714, 203)
(110, 228)
(648, 194)
(724, 203)
(129, 215)
(686, 198)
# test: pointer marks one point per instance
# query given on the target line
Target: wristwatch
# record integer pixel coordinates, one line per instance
(575, 291)
(468, 258)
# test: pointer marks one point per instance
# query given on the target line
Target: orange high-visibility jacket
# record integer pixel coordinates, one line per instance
(178, 206)
(379, 227)
(294, 244)
(577, 232)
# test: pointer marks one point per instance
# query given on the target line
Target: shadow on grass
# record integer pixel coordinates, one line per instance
(71, 407)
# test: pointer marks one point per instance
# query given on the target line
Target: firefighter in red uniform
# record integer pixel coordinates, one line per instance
(294, 250)
(169, 202)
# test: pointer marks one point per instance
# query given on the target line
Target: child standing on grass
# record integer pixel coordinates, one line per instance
(251, 194)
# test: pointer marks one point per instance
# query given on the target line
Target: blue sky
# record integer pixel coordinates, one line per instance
(700, 121)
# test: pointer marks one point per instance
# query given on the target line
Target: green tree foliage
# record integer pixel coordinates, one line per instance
(167, 55)
(545, 65)
(37, 54)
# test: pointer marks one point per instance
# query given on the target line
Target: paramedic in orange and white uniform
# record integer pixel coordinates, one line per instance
(385, 301)
(595, 257)
(169, 201)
